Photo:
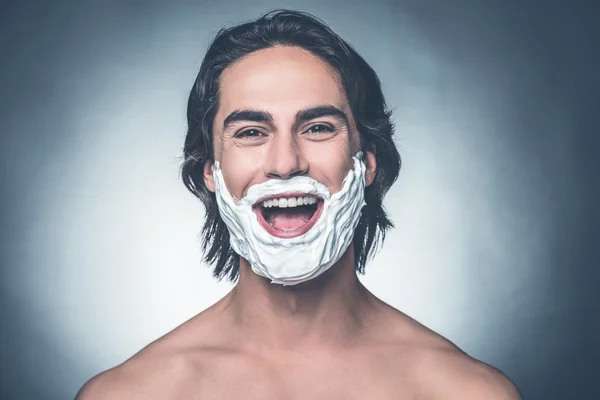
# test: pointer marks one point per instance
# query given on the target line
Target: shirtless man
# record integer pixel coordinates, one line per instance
(290, 149)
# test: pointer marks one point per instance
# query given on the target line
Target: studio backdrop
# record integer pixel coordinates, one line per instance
(495, 243)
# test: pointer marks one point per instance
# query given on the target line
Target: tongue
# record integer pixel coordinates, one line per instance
(289, 220)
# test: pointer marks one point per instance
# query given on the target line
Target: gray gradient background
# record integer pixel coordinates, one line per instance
(496, 244)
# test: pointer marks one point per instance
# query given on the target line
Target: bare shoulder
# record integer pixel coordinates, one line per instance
(154, 373)
(442, 370)
(170, 367)
(450, 373)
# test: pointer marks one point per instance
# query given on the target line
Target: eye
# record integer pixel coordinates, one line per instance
(250, 134)
(319, 128)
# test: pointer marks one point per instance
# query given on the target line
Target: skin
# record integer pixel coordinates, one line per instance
(328, 338)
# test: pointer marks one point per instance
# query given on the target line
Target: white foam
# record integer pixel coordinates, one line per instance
(293, 260)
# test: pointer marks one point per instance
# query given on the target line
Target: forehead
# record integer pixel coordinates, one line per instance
(281, 80)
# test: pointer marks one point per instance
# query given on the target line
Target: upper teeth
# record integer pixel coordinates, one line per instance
(289, 202)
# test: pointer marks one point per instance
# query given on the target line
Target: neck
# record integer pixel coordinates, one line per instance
(332, 309)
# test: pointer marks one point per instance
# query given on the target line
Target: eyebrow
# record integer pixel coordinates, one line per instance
(247, 115)
(305, 115)
(318, 112)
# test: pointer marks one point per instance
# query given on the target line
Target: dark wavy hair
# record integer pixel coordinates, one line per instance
(363, 90)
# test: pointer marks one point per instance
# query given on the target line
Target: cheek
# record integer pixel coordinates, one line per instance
(239, 174)
(234, 182)
(331, 169)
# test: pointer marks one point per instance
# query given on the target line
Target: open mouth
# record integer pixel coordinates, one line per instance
(288, 215)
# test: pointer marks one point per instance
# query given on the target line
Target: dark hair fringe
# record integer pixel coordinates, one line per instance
(363, 89)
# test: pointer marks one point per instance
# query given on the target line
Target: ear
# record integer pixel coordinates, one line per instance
(371, 165)
(209, 181)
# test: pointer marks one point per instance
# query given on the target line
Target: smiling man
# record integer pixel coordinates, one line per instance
(290, 149)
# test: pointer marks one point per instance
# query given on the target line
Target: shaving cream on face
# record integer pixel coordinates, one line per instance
(293, 260)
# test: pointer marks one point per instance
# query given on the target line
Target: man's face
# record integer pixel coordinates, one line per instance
(282, 113)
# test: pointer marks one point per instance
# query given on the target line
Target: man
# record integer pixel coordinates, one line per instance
(290, 149)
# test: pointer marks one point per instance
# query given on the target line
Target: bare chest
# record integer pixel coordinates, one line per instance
(314, 382)
(345, 390)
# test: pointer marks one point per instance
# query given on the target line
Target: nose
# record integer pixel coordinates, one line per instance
(284, 158)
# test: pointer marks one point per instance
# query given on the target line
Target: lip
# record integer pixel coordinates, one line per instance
(292, 233)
